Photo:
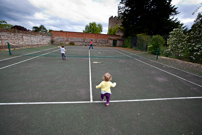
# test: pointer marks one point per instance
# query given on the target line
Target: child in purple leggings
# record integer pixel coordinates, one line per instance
(105, 87)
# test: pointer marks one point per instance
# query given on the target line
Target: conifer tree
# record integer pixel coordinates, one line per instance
(148, 16)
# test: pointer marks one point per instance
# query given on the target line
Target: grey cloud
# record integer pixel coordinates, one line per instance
(21, 12)
(16, 10)
(186, 11)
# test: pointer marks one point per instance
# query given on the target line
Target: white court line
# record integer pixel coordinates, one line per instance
(162, 70)
(91, 95)
(111, 101)
(26, 54)
(25, 60)
(164, 64)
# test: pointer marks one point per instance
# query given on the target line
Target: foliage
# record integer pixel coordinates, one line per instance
(142, 42)
(127, 42)
(167, 53)
(50, 30)
(52, 41)
(4, 25)
(146, 16)
(156, 42)
(195, 40)
(41, 28)
(187, 46)
(3, 22)
(112, 31)
(177, 42)
(16, 27)
(71, 43)
(93, 28)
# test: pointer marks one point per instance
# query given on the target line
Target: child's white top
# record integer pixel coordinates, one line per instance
(62, 50)
(105, 86)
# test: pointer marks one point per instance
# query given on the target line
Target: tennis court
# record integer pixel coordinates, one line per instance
(42, 94)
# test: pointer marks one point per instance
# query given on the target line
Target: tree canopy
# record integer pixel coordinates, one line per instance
(112, 31)
(16, 27)
(93, 28)
(153, 17)
(41, 28)
(4, 25)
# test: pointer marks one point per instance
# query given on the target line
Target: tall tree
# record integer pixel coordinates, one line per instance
(4, 25)
(93, 28)
(196, 39)
(41, 28)
(148, 16)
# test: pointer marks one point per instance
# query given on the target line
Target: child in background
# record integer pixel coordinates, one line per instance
(105, 87)
(63, 52)
(91, 44)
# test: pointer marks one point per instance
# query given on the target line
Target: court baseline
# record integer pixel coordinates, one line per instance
(88, 102)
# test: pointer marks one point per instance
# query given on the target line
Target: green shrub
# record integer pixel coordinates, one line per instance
(167, 53)
(142, 42)
(162, 49)
(71, 43)
(156, 42)
(178, 44)
(127, 42)
(52, 41)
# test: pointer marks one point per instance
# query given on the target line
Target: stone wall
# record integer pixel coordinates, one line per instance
(23, 38)
(64, 37)
(115, 21)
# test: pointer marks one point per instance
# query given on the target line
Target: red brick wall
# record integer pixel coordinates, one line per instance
(64, 35)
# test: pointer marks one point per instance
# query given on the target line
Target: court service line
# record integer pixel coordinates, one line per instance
(25, 60)
(88, 102)
(163, 70)
(164, 64)
(90, 79)
(26, 54)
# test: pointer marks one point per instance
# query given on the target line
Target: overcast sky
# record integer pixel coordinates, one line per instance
(73, 15)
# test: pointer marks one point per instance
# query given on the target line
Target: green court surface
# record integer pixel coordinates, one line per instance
(42, 94)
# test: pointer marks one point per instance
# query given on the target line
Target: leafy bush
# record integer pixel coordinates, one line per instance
(71, 43)
(167, 53)
(52, 41)
(112, 31)
(156, 42)
(195, 40)
(187, 47)
(142, 42)
(177, 42)
(127, 42)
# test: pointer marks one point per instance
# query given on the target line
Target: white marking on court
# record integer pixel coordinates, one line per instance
(162, 70)
(26, 60)
(111, 101)
(91, 95)
(25, 54)
(164, 64)
(96, 62)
